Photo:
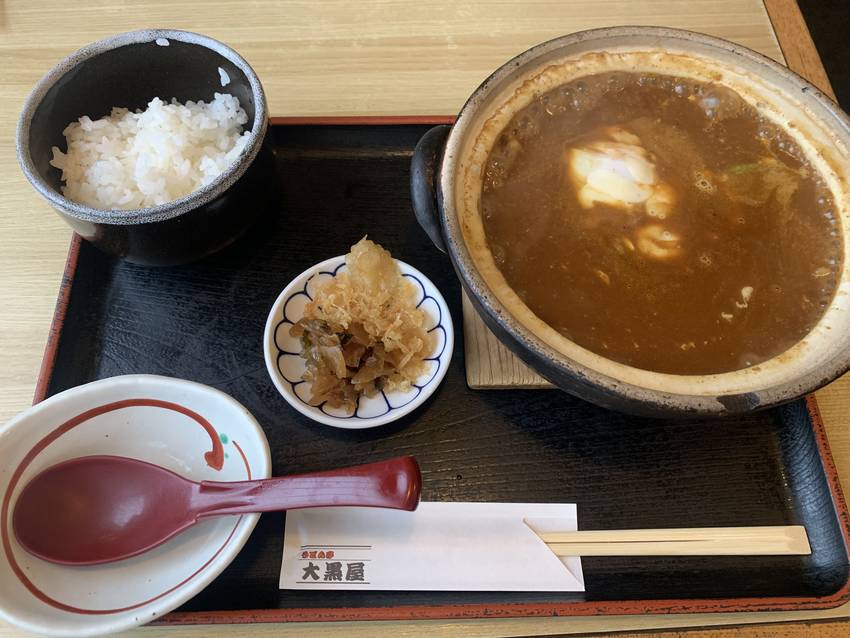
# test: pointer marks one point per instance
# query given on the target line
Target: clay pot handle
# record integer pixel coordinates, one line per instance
(424, 172)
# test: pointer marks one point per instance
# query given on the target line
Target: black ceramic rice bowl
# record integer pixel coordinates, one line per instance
(128, 70)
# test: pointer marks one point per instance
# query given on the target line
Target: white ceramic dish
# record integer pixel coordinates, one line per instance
(191, 429)
(285, 365)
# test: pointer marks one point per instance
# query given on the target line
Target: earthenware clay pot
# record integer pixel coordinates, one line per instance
(446, 183)
(128, 70)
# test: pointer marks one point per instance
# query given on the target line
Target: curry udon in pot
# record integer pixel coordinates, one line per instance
(654, 220)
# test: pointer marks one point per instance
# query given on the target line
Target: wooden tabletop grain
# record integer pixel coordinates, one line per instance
(337, 57)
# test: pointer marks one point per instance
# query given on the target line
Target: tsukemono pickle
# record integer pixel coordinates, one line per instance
(653, 219)
(362, 331)
(151, 145)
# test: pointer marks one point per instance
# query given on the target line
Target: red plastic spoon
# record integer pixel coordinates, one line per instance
(99, 509)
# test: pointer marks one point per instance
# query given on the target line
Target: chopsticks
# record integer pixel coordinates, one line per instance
(694, 541)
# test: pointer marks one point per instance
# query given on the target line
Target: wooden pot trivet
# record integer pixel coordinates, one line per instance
(489, 364)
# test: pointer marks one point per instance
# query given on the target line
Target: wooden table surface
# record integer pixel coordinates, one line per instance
(337, 57)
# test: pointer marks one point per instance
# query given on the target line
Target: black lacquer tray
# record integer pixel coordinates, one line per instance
(335, 182)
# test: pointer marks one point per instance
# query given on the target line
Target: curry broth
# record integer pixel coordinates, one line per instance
(661, 223)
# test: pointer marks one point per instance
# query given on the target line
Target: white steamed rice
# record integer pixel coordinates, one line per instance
(135, 160)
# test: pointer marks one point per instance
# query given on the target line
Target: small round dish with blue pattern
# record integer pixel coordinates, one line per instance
(286, 366)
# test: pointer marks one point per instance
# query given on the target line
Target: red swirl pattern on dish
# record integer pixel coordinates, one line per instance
(214, 458)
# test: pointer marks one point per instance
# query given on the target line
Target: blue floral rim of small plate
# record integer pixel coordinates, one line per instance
(286, 366)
